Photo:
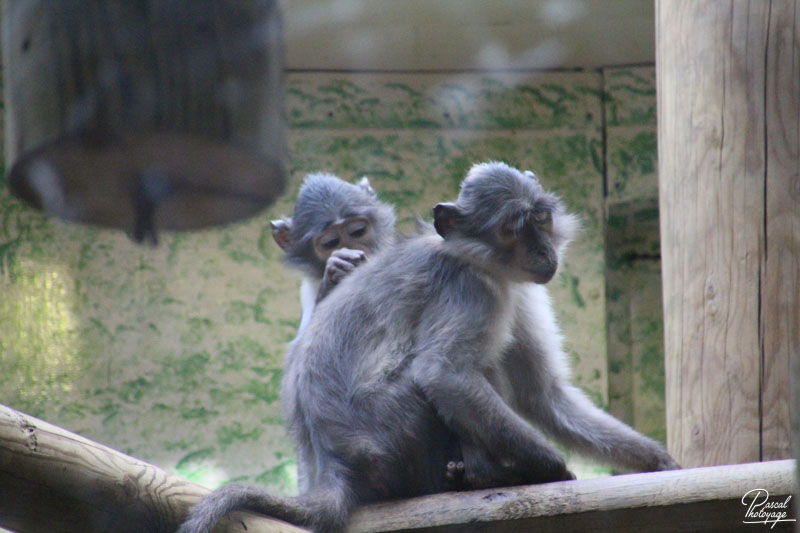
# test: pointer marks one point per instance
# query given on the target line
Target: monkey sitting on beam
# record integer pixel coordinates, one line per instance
(447, 333)
(334, 227)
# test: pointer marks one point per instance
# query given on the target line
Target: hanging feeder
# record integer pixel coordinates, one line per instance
(155, 114)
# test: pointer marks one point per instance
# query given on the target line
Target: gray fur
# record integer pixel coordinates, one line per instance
(432, 338)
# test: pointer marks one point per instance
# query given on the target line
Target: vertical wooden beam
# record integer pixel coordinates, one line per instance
(780, 302)
(796, 432)
(729, 184)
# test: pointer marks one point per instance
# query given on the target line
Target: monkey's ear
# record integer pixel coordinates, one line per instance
(531, 175)
(282, 232)
(444, 218)
(364, 185)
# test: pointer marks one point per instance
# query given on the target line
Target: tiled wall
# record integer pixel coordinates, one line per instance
(174, 354)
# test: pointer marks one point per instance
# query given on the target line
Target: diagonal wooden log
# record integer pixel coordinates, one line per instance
(54, 481)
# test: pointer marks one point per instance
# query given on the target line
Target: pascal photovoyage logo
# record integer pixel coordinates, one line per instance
(763, 510)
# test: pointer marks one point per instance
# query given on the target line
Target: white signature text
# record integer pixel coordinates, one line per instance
(763, 511)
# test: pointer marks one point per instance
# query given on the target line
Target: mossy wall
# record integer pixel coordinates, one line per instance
(174, 354)
(633, 260)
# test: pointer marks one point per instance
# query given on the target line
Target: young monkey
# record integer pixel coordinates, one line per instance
(334, 227)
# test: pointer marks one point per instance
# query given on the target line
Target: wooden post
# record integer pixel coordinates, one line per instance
(796, 432)
(728, 78)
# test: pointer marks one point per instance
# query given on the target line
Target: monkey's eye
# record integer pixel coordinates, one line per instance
(329, 244)
(357, 229)
(508, 231)
(328, 240)
(542, 216)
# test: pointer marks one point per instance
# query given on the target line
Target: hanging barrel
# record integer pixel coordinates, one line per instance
(162, 114)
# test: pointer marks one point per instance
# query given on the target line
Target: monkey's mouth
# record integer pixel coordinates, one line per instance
(542, 274)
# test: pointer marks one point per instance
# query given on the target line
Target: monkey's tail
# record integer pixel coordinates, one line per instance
(324, 510)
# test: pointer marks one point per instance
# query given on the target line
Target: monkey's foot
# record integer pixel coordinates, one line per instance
(454, 475)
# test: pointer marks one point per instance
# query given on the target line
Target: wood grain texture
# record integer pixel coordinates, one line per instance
(796, 428)
(727, 381)
(54, 481)
(780, 269)
(702, 499)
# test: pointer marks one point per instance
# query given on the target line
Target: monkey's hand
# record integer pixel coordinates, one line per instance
(339, 265)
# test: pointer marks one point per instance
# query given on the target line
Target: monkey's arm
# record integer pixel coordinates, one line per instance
(535, 368)
(449, 368)
(470, 406)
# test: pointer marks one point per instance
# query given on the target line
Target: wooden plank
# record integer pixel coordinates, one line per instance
(710, 72)
(54, 481)
(796, 428)
(780, 265)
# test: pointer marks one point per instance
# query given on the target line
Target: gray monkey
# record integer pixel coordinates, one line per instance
(421, 341)
(334, 226)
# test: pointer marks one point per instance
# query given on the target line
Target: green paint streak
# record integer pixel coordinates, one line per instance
(193, 366)
(242, 353)
(242, 257)
(266, 244)
(572, 282)
(266, 390)
(238, 312)
(133, 391)
(283, 476)
(196, 329)
(235, 432)
(634, 159)
(402, 87)
(261, 309)
(198, 413)
(8, 254)
(192, 459)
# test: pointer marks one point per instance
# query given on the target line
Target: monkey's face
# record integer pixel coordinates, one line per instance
(524, 242)
(355, 233)
(506, 221)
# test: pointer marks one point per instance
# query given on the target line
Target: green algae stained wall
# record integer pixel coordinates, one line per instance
(174, 354)
(633, 278)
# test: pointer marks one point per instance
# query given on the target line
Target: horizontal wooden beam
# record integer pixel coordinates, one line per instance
(55, 481)
(697, 499)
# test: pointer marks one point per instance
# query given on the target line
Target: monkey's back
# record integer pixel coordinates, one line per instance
(348, 392)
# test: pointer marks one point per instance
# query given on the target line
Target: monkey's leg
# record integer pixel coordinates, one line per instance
(484, 471)
(467, 403)
(454, 475)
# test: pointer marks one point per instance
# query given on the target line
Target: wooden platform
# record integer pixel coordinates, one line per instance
(55, 481)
